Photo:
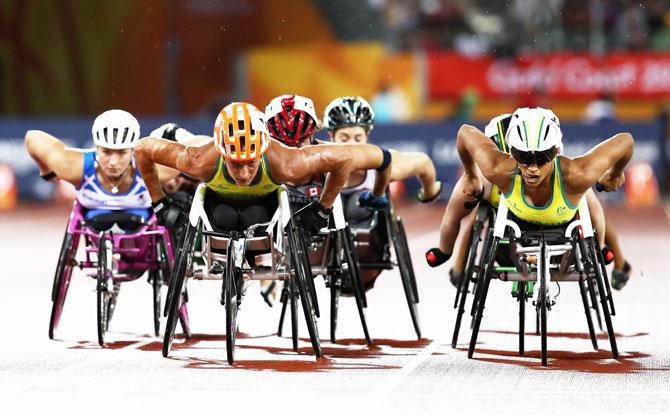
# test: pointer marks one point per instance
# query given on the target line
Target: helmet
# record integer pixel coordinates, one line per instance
(240, 132)
(291, 118)
(347, 112)
(116, 129)
(534, 135)
(496, 130)
(171, 131)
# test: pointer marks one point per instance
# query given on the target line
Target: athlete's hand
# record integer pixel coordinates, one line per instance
(313, 217)
(472, 186)
(169, 211)
(372, 202)
(611, 181)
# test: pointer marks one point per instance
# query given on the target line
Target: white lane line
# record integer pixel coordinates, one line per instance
(387, 387)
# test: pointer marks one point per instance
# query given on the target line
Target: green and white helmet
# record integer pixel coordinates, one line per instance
(534, 129)
(349, 112)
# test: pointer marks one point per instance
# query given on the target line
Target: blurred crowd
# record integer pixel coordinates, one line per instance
(512, 26)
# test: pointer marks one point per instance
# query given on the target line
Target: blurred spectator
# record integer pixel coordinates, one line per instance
(632, 29)
(466, 105)
(576, 19)
(390, 105)
(600, 109)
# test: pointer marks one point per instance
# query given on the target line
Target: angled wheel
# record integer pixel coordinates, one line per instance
(293, 301)
(299, 265)
(182, 266)
(587, 312)
(62, 280)
(603, 271)
(335, 292)
(233, 298)
(103, 293)
(484, 277)
(406, 271)
(351, 271)
(465, 281)
(310, 280)
(156, 287)
(521, 298)
(283, 299)
(543, 300)
(599, 279)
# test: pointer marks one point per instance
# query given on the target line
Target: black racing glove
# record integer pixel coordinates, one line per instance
(169, 211)
(313, 217)
(435, 257)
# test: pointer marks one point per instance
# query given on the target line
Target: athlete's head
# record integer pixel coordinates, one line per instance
(292, 120)
(241, 137)
(534, 137)
(349, 120)
(115, 132)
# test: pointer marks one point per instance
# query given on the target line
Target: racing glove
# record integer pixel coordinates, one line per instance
(435, 257)
(313, 217)
(372, 202)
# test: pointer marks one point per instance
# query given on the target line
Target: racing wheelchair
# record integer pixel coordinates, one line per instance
(233, 258)
(522, 291)
(540, 255)
(113, 256)
(350, 258)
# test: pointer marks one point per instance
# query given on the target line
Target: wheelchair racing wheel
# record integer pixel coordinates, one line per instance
(62, 280)
(233, 286)
(103, 294)
(182, 263)
(299, 266)
(406, 272)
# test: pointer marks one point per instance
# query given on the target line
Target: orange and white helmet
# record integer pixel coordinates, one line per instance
(240, 133)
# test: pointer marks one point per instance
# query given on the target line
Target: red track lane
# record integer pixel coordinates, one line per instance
(398, 374)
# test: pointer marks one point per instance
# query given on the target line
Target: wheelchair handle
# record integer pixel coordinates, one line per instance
(249, 232)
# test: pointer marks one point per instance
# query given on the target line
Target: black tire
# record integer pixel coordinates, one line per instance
(599, 277)
(587, 312)
(352, 272)
(406, 272)
(521, 298)
(543, 301)
(410, 266)
(293, 303)
(299, 265)
(335, 292)
(102, 290)
(485, 279)
(156, 288)
(283, 299)
(310, 280)
(233, 296)
(465, 281)
(603, 271)
(177, 280)
(61, 282)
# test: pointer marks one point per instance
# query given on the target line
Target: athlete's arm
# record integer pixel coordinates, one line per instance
(604, 162)
(52, 155)
(293, 165)
(478, 151)
(194, 160)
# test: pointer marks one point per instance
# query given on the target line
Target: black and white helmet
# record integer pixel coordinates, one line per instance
(116, 129)
(171, 131)
(349, 112)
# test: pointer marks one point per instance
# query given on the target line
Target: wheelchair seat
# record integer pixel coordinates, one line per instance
(126, 221)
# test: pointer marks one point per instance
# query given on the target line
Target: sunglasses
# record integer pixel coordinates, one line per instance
(539, 158)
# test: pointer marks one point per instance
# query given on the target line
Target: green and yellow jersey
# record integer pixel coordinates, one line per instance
(225, 187)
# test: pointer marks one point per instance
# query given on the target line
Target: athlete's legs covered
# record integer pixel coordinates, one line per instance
(352, 212)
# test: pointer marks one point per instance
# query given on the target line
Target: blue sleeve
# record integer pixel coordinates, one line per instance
(89, 166)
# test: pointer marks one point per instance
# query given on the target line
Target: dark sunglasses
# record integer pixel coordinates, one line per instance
(539, 158)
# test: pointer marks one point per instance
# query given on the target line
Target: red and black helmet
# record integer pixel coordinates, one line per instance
(291, 118)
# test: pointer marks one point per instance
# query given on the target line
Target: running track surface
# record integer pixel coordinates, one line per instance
(398, 374)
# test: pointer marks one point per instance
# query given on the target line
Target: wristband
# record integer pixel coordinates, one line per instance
(387, 160)
(48, 176)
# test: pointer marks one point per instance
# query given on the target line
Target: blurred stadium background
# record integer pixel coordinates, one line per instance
(426, 65)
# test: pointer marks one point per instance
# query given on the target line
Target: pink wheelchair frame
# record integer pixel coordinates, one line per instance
(149, 248)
